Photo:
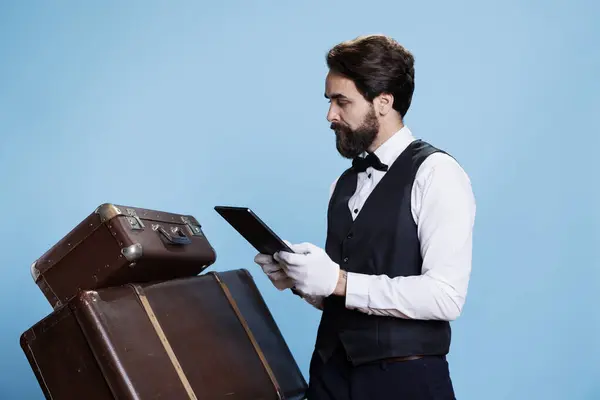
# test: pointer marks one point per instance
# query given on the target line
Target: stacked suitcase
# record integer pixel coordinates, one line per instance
(136, 316)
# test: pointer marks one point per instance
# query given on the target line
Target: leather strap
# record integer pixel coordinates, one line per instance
(257, 348)
(165, 342)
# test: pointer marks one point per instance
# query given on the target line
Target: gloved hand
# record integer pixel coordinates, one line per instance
(274, 271)
(310, 268)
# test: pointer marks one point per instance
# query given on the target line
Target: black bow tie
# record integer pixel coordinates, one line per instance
(361, 164)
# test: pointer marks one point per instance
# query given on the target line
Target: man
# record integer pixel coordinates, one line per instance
(397, 258)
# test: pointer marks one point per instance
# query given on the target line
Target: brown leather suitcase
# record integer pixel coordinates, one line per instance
(115, 245)
(204, 337)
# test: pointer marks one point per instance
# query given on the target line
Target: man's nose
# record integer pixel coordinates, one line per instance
(332, 114)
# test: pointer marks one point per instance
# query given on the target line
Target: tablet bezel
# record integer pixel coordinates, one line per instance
(226, 211)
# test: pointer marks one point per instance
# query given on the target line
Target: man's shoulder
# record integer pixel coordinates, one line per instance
(441, 166)
(346, 172)
(440, 159)
(434, 156)
(442, 178)
(332, 186)
(335, 182)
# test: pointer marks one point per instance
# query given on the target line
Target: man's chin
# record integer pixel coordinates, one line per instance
(347, 148)
(347, 153)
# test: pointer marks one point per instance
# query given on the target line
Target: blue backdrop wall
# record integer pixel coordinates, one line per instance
(185, 106)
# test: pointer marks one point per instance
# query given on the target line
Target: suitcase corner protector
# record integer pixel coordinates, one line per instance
(35, 273)
(107, 211)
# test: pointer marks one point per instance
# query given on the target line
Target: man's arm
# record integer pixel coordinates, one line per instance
(315, 301)
(340, 289)
(444, 211)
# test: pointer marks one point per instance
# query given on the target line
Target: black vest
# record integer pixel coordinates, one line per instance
(382, 240)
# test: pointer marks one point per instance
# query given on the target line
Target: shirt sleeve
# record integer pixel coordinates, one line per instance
(443, 207)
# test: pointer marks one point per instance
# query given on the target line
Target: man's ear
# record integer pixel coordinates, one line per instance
(384, 103)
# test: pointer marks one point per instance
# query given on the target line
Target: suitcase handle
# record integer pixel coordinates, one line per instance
(180, 239)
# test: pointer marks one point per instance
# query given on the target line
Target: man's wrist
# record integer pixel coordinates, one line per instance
(340, 288)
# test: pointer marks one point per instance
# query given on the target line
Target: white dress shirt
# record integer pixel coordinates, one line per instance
(443, 208)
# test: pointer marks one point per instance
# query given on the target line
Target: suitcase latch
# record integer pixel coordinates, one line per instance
(193, 226)
(135, 221)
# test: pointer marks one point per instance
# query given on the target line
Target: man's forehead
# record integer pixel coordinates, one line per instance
(337, 86)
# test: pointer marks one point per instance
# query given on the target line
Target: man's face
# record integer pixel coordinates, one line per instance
(352, 118)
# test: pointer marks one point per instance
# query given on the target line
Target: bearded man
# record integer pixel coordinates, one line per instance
(397, 259)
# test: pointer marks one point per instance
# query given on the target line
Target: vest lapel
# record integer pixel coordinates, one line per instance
(390, 178)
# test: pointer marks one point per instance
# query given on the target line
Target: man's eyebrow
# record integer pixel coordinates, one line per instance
(336, 96)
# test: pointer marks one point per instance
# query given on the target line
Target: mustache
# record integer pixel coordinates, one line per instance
(337, 126)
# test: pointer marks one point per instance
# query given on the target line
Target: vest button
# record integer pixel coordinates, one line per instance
(350, 235)
(345, 260)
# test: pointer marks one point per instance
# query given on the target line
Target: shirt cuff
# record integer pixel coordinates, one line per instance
(357, 290)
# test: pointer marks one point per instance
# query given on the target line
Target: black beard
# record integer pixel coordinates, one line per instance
(350, 143)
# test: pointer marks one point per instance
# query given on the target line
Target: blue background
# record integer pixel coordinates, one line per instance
(185, 106)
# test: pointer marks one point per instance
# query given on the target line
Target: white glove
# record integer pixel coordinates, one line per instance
(310, 268)
(274, 271)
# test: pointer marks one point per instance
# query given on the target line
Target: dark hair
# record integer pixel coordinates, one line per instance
(377, 64)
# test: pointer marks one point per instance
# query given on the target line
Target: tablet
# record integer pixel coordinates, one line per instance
(253, 229)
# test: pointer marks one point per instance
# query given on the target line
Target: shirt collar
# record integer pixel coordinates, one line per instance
(389, 150)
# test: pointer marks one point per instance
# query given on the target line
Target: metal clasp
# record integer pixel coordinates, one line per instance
(193, 225)
(133, 219)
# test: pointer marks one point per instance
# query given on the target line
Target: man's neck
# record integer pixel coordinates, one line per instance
(385, 132)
